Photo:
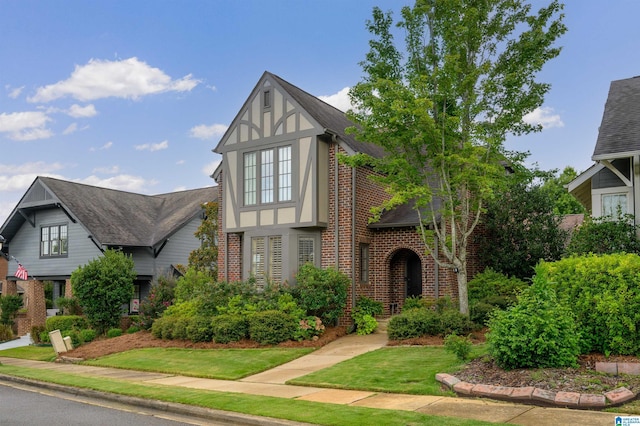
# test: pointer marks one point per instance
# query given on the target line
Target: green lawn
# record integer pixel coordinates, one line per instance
(36, 353)
(282, 408)
(226, 364)
(410, 369)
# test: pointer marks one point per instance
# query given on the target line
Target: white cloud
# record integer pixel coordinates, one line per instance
(339, 100)
(545, 117)
(205, 132)
(121, 182)
(152, 146)
(180, 162)
(127, 78)
(77, 111)
(103, 147)
(107, 170)
(20, 182)
(30, 168)
(24, 126)
(179, 188)
(70, 129)
(14, 92)
(211, 167)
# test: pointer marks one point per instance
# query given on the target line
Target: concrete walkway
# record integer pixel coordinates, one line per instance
(271, 383)
(16, 343)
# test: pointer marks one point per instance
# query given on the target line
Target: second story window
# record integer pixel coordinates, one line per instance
(54, 241)
(267, 176)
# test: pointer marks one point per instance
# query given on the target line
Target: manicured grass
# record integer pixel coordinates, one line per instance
(409, 370)
(282, 408)
(226, 364)
(36, 353)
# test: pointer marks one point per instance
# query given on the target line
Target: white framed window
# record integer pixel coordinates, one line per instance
(54, 241)
(306, 248)
(268, 176)
(266, 259)
(614, 204)
(250, 184)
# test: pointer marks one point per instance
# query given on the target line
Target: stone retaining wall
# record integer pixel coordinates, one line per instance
(537, 396)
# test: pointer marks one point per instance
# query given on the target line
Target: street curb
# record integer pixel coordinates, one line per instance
(227, 417)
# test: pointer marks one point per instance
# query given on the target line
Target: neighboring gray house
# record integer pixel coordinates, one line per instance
(613, 183)
(58, 226)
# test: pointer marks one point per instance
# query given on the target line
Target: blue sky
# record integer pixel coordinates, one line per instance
(134, 95)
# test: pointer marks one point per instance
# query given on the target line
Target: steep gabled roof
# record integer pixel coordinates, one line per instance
(619, 134)
(331, 119)
(328, 117)
(115, 217)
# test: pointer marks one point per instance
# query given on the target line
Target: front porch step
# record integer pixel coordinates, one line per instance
(382, 325)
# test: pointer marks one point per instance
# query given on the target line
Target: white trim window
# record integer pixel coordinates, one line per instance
(54, 241)
(268, 176)
(614, 204)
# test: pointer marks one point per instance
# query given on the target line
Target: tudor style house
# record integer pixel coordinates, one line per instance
(285, 199)
(612, 184)
(58, 226)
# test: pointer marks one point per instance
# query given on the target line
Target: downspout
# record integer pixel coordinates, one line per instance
(436, 268)
(636, 191)
(336, 210)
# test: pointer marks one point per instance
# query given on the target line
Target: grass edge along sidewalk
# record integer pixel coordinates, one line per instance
(280, 408)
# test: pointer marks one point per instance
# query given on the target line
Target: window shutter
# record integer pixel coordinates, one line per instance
(275, 259)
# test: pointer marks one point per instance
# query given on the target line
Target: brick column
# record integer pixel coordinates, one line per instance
(35, 302)
(9, 288)
(68, 291)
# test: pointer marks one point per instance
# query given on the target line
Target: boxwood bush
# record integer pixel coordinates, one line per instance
(272, 327)
(420, 322)
(65, 322)
(603, 291)
(537, 332)
(229, 328)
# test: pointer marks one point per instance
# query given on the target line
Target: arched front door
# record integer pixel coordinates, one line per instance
(414, 275)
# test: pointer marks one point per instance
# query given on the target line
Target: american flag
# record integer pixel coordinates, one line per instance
(21, 273)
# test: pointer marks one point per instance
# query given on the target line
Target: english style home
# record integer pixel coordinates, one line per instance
(612, 184)
(58, 226)
(285, 199)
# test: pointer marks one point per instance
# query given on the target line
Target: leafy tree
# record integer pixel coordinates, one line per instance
(102, 286)
(205, 257)
(441, 108)
(521, 228)
(9, 307)
(565, 203)
(605, 235)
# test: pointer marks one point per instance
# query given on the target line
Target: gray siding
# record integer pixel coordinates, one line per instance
(180, 245)
(25, 247)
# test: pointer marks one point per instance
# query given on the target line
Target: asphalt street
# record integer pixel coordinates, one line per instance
(29, 406)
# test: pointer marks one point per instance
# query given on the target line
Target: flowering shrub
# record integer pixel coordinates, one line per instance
(160, 298)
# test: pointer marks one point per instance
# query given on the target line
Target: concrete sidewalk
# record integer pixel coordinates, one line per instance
(271, 383)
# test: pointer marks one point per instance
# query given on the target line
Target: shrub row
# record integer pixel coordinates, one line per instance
(418, 322)
(266, 327)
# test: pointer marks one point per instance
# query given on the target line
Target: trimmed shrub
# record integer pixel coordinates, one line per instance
(6, 333)
(114, 332)
(87, 335)
(179, 328)
(414, 302)
(322, 292)
(229, 328)
(458, 345)
(133, 329)
(44, 337)
(161, 327)
(491, 290)
(538, 332)
(65, 322)
(272, 327)
(199, 329)
(605, 235)
(604, 294)
(363, 315)
(428, 322)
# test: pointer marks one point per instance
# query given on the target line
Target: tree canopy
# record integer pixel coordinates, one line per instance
(205, 257)
(442, 103)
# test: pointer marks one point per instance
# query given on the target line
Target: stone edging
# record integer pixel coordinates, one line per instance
(532, 395)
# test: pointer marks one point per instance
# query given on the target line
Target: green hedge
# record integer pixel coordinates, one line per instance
(604, 294)
(428, 322)
(65, 322)
(272, 327)
(538, 332)
(229, 328)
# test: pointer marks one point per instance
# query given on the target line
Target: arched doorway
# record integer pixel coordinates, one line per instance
(405, 277)
(413, 276)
